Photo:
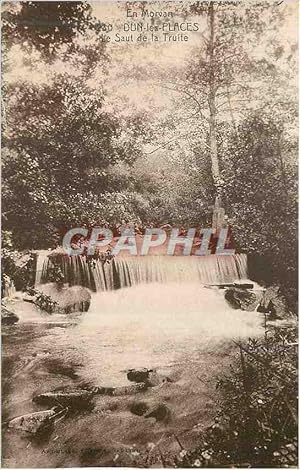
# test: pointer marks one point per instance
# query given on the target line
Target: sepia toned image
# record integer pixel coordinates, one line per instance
(149, 234)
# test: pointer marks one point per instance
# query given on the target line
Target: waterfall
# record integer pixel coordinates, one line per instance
(8, 287)
(41, 264)
(129, 271)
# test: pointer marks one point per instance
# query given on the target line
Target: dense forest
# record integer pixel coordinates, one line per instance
(79, 149)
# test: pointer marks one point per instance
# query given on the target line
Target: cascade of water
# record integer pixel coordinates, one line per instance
(8, 287)
(42, 262)
(129, 271)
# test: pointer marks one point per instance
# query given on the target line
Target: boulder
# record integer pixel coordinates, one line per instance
(35, 422)
(7, 317)
(159, 412)
(73, 399)
(274, 303)
(68, 299)
(131, 389)
(242, 299)
(138, 375)
(147, 376)
(139, 408)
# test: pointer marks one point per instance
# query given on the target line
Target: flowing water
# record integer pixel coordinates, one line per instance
(154, 326)
(173, 324)
(131, 270)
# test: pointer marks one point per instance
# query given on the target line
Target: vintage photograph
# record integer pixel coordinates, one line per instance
(149, 234)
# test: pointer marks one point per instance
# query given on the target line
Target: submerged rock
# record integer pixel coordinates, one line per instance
(35, 422)
(242, 299)
(77, 399)
(139, 408)
(59, 367)
(7, 317)
(129, 389)
(147, 376)
(119, 391)
(159, 412)
(138, 375)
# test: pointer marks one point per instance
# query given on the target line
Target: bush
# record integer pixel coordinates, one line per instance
(260, 195)
(43, 301)
(20, 267)
(256, 424)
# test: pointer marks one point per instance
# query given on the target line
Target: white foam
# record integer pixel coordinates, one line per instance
(154, 325)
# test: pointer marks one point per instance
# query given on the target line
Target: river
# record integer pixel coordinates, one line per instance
(184, 331)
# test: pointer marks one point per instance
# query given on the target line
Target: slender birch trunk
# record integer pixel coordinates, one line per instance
(212, 101)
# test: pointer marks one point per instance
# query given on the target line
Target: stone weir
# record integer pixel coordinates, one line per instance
(128, 271)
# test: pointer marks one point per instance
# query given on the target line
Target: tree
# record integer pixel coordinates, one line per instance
(45, 26)
(59, 141)
(212, 99)
(261, 195)
(228, 78)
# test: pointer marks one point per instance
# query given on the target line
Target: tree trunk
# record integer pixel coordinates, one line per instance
(212, 101)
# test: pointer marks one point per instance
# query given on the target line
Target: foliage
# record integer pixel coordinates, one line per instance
(20, 267)
(59, 141)
(104, 257)
(260, 174)
(45, 26)
(257, 414)
(42, 300)
(59, 145)
(6, 240)
(55, 273)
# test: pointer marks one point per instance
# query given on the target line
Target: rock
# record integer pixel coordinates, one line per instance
(274, 303)
(242, 285)
(241, 298)
(104, 390)
(129, 389)
(159, 412)
(34, 422)
(120, 391)
(58, 367)
(29, 298)
(77, 399)
(148, 376)
(68, 299)
(7, 317)
(138, 375)
(139, 408)
(155, 379)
